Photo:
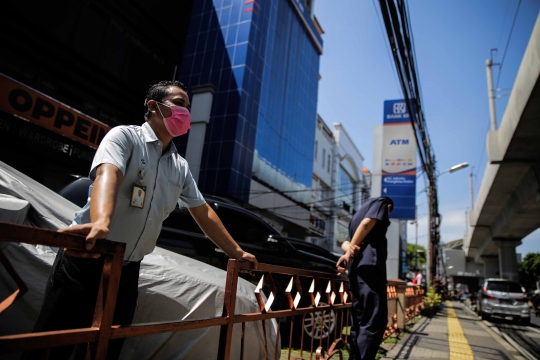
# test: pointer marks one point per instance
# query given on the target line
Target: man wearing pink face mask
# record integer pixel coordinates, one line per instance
(139, 177)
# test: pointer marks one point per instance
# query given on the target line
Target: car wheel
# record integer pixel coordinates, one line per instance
(485, 316)
(525, 321)
(319, 325)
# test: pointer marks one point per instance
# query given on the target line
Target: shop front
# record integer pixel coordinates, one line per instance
(43, 138)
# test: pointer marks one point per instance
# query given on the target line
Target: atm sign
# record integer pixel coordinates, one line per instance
(40, 109)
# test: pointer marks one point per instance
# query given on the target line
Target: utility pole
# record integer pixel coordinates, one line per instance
(416, 235)
(491, 93)
(466, 222)
(431, 251)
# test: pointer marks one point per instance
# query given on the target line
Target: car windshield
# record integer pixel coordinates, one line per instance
(504, 286)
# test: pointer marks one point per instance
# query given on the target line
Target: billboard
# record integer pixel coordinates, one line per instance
(398, 178)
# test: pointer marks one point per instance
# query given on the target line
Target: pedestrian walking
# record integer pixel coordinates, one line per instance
(139, 177)
(418, 278)
(365, 259)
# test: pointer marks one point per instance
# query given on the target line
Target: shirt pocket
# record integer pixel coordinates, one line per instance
(171, 198)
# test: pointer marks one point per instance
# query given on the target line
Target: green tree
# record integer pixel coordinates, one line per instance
(529, 270)
(411, 252)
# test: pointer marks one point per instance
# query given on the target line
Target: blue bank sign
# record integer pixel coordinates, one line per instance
(399, 160)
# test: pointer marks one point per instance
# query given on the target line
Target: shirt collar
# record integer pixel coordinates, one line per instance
(148, 133)
(150, 136)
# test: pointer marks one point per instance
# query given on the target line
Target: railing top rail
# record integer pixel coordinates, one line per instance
(276, 269)
(37, 236)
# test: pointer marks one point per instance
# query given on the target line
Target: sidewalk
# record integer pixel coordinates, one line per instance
(454, 333)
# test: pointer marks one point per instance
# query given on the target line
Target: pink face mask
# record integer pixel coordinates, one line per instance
(179, 122)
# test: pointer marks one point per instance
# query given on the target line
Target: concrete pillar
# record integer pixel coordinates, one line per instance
(401, 286)
(201, 105)
(491, 266)
(508, 265)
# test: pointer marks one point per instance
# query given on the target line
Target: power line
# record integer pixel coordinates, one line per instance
(398, 30)
(386, 45)
(504, 22)
(507, 43)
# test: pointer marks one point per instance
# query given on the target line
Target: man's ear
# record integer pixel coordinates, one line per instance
(152, 106)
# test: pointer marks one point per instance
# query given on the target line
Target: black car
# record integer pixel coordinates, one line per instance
(181, 234)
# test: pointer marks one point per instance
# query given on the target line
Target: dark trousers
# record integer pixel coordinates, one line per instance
(369, 311)
(70, 299)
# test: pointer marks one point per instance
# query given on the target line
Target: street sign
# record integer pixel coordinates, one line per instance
(399, 160)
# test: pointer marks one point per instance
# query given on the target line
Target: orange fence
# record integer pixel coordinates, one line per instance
(404, 304)
(327, 297)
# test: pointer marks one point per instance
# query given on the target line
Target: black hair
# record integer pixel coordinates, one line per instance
(159, 91)
(388, 201)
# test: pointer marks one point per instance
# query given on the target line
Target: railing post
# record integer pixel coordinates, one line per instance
(402, 305)
(105, 303)
(229, 305)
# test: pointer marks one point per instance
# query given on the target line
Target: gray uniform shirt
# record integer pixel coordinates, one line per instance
(167, 179)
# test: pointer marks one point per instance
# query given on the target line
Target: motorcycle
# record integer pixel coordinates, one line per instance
(472, 299)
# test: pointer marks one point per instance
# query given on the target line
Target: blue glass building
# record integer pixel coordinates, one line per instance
(263, 58)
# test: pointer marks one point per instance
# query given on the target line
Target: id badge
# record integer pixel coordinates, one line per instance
(137, 196)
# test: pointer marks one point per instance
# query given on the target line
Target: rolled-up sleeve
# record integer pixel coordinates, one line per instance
(114, 149)
(191, 196)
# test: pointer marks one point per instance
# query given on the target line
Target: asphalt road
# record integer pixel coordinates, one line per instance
(525, 339)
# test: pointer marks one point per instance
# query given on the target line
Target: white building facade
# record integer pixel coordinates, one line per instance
(338, 184)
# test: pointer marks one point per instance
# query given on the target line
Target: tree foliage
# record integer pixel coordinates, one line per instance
(411, 251)
(529, 270)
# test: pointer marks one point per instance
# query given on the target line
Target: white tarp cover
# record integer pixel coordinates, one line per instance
(172, 287)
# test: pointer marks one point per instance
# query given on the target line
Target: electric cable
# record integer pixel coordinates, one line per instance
(386, 45)
(507, 43)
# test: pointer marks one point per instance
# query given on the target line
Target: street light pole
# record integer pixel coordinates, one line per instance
(415, 222)
(472, 189)
(416, 245)
(434, 220)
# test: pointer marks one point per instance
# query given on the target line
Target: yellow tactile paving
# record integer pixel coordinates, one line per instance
(457, 342)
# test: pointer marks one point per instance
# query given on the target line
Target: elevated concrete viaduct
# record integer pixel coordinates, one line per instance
(507, 208)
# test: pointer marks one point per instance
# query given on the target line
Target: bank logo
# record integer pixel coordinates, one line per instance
(400, 108)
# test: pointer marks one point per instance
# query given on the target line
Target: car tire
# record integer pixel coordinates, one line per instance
(312, 328)
(485, 316)
(525, 321)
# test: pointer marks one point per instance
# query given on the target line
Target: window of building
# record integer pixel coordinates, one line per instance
(346, 191)
(326, 194)
(341, 234)
(316, 149)
(328, 164)
(323, 156)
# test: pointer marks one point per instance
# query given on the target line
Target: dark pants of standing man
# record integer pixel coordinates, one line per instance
(369, 311)
(70, 299)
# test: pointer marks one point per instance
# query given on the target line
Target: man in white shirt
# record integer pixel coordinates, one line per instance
(128, 158)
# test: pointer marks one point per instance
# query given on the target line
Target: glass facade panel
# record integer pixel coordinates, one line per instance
(265, 67)
(287, 115)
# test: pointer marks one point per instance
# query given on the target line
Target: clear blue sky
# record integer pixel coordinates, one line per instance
(452, 39)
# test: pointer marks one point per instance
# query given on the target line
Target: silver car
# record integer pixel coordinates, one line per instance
(503, 298)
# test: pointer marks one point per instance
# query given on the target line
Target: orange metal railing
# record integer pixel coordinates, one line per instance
(326, 294)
